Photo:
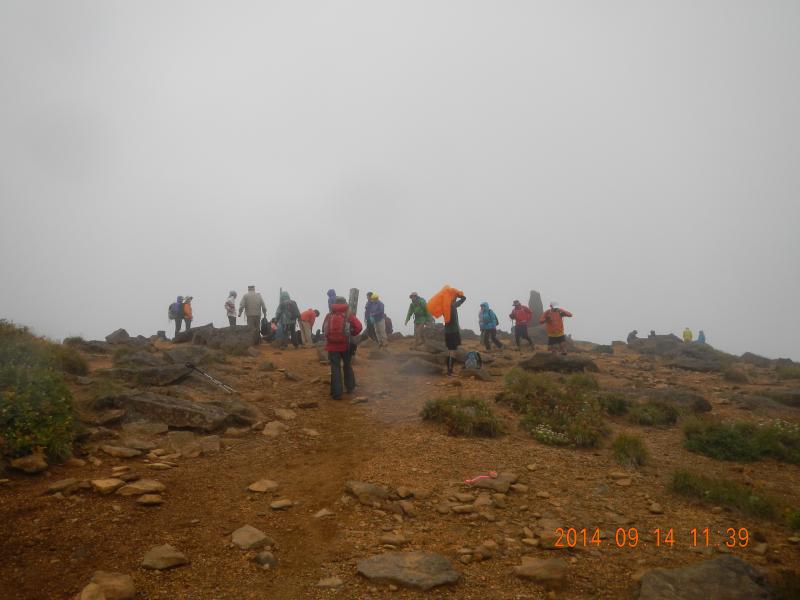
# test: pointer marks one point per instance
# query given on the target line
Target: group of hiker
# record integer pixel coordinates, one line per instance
(688, 336)
(341, 327)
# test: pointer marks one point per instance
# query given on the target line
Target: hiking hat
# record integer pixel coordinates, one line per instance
(232, 293)
(413, 295)
(516, 302)
(486, 304)
(251, 287)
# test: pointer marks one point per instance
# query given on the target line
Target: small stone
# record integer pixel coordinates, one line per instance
(248, 537)
(159, 466)
(263, 486)
(107, 486)
(285, 414)
(275, 428)
(150, 500)
(465, 558)
(618, 475)
(120, 451)
(464, 498)
(330, 583)
(143, 486)
(716, 510)
(163, 557)
(321, 514)
(31, 464)
(443, 508)
(116, 471)
(75, 462)
(63, 485)
(542, 494)
(265, 559)
(519, 487)
(761, 549)
(793, 540)
(394, 539)
(282, 504)
(655, 508)
(623, 482)
(549, 571)
(531, 467)
(115, 586)
(91, 592)
(462, 509)
(309, 432)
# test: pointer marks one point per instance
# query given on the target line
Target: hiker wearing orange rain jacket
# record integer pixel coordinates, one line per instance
(445, 304)
(553, 320)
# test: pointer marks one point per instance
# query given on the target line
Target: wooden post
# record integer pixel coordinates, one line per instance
(353, 301)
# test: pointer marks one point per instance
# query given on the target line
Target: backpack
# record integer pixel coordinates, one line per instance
(266, 327)
(473, 360)
(336, 328)
(389, 326)
(175, 311)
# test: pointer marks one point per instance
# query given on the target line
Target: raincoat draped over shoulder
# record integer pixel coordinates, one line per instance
(440, 303)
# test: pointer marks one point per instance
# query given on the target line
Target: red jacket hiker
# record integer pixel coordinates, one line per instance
(553, 321)
(521, 314)
(309, 316)
(335, 338)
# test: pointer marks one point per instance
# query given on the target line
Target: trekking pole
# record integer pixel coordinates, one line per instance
(224, 386)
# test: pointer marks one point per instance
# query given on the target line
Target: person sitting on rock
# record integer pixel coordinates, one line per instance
(632, 336)
(339, 327)
(521, 315)
(553, 320)
(687, 335)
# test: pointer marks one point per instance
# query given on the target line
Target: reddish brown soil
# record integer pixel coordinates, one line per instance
(51, 547)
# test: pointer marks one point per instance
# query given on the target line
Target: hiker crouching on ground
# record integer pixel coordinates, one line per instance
(521, 315)
(376, 314)
(230, 308)
(553, 319)
(419, 310)
(307, 318)
(287, 315)
(488, 322)
(252, 304)
(338, 328)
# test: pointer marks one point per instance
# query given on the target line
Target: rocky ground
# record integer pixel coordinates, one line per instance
(279, 492)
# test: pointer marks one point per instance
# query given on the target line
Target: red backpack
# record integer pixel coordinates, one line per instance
(337, 328)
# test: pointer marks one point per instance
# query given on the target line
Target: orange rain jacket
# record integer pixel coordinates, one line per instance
(439, 305)
(553, 322)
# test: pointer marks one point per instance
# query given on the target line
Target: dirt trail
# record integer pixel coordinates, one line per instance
(52, 546)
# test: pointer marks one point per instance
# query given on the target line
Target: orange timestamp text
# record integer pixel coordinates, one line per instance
(629, 537)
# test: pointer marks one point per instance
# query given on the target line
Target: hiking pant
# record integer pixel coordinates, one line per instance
(339, 361)
(188, 324)
(419, 333)
(254, 322)
(178, 322)
(231, 321)
(305, 333)
(380, 332)
(371, 331)
(521, 331)
(289, 334)
(489, 336)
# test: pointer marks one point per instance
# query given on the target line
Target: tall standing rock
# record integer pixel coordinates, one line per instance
(536, 306)
(353, 301)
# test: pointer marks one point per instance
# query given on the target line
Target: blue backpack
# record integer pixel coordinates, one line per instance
(473, 360)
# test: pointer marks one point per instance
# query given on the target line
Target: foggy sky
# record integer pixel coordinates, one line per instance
(635, 161)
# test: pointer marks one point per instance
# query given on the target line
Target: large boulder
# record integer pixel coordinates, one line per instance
(234, 340)
(120, 336)
(723, 578)
(787, 397)
(547, 361)
(186, 336)
(536, 305)
(197, 355)
(176, 412)
(416, 570)
(158, 376)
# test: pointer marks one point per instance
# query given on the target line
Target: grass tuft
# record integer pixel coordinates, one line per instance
(463, 415)
(744, 441)
(614, 404)
(653, 413)
(629, 450)
(723, 492)
(735, 375)
(788, 371)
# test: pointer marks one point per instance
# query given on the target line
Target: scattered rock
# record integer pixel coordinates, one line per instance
(500, 484)
(107, 486)
(310, 432)
(394, 539)
(275, 428)
(63, 486)
(723, 578)
(285, 414)
(163, 557)
(322, 513)
(143, 486)
(120, 336)
(282, 504)
(263, 486)
(655, 508)
(416, 570)
(120, 451)
(266, 559)
(31, 464)
(548, 571)
(150, 500)
(330, 583)
(115, 586)
(417, 366)
(91, 592)
(369, 494)
(248, 537)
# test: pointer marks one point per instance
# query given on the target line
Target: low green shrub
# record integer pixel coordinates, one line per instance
(614, 404)
(723, 492)
(788, 371)
(523, 388)
(793, 519)
(744, 441)
(70, 360)
(566, 421)
(467, 416)
(582, 382)
(735, 375)
(629, 450)
(653, 413)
